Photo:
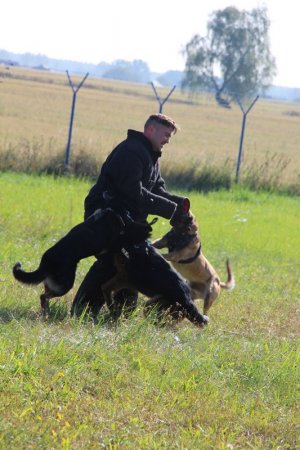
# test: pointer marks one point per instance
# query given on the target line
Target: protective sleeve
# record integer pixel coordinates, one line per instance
(160, 189)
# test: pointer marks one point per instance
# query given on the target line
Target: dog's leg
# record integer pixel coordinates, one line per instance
(162, 310)
(192, 313)
(153, 302)
(125, 302)
(213, 292)
(114, 285)
(44, 298)
(111, 288)
(108, 288)
(44, 306)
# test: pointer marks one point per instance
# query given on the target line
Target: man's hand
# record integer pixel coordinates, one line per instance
(182, 210)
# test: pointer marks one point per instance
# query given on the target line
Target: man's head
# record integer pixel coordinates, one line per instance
(159, 129)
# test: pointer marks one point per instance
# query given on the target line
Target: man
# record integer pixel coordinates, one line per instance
(130, 177)
(132, 173)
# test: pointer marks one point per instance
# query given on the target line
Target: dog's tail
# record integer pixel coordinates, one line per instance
(35, 277)
(230, 283)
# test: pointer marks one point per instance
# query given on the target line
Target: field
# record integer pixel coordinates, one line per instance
(68, 384)
(35, 111)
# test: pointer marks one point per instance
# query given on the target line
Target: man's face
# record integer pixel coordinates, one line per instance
(159, 135)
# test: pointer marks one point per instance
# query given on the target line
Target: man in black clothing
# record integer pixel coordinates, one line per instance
(131, 175)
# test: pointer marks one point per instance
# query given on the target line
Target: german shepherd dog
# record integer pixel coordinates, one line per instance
(143, 269)
(57, 269)
(185, 253)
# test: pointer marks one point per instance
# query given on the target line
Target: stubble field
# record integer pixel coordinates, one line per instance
(35, 111)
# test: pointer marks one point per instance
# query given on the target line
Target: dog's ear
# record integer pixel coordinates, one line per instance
(186, 204)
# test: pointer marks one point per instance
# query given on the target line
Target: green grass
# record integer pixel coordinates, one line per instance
(68, 384)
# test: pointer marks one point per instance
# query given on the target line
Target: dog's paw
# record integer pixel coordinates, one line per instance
(205, 320)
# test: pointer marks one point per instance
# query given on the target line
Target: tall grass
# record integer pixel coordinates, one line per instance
(194, 175)
(68, 384)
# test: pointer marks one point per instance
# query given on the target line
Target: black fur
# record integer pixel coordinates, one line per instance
(149, 273)
(102, 231)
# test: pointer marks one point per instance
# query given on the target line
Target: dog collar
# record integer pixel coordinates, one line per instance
(190, 260)
(142, 247)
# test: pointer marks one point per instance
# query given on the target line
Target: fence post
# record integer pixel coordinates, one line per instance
(237, 174)
(161, 102)
(75, 90)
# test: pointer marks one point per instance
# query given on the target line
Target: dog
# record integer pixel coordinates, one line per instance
(143, 269)
(185, 253)
(57, 268)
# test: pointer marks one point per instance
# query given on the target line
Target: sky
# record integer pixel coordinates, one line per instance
(155, 31)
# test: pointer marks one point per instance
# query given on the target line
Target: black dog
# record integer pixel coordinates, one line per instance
(58, 265)
(143, 269)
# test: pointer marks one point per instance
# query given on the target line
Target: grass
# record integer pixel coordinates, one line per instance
(68, 384)
(35, 114)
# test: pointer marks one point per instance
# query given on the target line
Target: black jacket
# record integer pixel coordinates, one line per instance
(131, 173)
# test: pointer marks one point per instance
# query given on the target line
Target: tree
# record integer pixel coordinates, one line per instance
(234, 59)
(136, 71)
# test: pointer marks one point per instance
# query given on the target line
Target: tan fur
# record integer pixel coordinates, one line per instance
(201, 275)
(116, 283)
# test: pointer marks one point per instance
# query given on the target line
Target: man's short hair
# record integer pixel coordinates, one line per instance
(162, 119)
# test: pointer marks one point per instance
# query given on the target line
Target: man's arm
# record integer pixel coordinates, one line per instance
(125, 177)
(160, 189)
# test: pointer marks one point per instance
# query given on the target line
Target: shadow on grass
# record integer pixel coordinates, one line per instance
(17, 313)
(59, 312)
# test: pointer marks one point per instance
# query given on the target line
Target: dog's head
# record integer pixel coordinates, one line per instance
(133, 234)
(186, 224)
(183, 219)
(181, 235)
(136, 232)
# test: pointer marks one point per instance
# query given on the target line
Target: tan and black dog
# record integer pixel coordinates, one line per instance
(185, 253)
(143, 269)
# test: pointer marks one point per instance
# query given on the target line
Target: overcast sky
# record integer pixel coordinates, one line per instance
(154, 31)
